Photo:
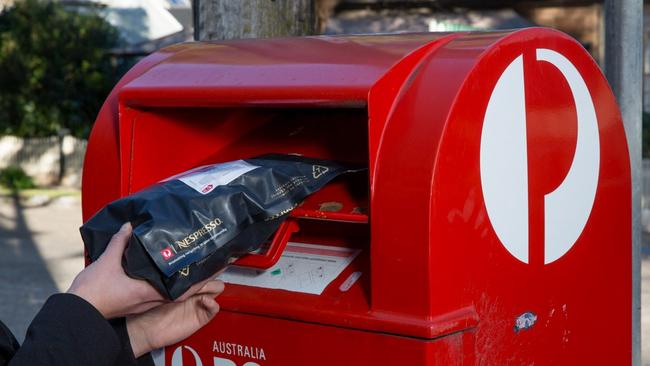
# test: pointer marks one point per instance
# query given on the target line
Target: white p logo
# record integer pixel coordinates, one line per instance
(504, 164)
(177, 356)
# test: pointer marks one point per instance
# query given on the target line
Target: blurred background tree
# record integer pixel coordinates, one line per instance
(55, 71)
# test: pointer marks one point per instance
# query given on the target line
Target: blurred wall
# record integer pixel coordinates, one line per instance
(41, 158)
(585, 23)
(5, 3)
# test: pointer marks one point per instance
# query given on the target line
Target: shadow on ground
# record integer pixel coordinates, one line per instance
(25, 277)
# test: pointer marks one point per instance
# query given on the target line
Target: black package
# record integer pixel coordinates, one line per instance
(190, 226)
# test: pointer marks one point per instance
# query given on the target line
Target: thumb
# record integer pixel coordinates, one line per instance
(210, 309)
(118, 242)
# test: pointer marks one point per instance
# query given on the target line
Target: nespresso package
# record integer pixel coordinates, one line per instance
(189, 226)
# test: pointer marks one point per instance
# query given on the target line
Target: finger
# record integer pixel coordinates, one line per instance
(214, 288)
(193, 290)
(144, 292)
(118, 242)
(210, 305)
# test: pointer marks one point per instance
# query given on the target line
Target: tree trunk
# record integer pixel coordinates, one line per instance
(232, 19)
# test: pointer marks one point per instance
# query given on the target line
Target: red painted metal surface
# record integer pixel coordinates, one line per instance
(438, 285)
(253, 340)
(274, 251)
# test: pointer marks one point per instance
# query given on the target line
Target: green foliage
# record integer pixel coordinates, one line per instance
(54, 69)
(14, 177)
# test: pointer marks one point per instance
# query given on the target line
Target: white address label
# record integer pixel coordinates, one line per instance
(206, 178)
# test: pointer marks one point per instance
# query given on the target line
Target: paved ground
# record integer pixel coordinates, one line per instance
(42, 252)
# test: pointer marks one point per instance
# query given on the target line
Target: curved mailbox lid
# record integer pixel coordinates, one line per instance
(321, 70)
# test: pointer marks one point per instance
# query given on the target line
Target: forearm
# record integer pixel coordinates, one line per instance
(70, 331)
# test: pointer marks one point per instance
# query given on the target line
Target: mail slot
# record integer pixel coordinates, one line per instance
(493, 226)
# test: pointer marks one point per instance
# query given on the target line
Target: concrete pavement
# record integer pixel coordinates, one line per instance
(41, 253)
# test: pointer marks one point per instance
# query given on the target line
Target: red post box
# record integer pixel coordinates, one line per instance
(494, 225)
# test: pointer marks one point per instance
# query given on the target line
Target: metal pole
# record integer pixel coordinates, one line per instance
(229, 19)
(196, 19)
(623, 67)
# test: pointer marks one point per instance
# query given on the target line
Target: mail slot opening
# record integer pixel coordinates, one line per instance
(166, 141)
(335, 217)
(190, 137)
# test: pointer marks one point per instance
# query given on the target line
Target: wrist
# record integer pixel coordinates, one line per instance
(137, 337)
(88, 297)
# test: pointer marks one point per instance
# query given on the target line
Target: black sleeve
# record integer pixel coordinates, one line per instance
(8, 345)
(126, 354)
(70, 331)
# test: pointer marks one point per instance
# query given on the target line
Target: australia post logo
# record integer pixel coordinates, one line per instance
(224, 354)
(504, 162)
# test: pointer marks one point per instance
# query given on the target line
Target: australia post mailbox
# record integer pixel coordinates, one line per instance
(493, 226)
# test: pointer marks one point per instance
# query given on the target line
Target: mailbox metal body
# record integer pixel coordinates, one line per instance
(444, 281)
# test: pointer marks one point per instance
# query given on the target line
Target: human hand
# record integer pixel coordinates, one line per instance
(173, 322)
(106, 286)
